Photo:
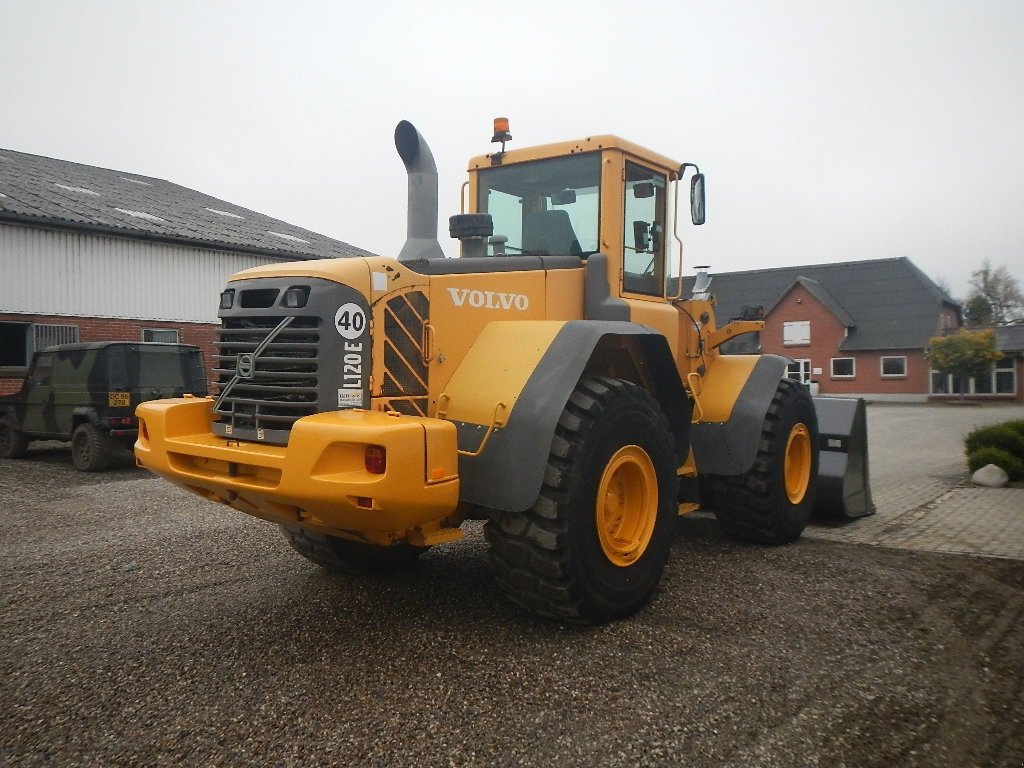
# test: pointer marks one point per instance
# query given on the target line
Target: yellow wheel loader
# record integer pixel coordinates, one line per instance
(554, 381)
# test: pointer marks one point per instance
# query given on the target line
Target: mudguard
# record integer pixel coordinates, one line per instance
(510, 389)
(844, 489)
(729, 446)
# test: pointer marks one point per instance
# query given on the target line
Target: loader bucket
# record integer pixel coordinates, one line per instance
(844, 490)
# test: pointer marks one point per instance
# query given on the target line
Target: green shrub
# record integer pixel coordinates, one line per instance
(1000, 436)
(1016, 426)
(1007, 462)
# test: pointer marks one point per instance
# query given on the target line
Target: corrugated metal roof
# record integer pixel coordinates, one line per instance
(49, 192)
(886, 303)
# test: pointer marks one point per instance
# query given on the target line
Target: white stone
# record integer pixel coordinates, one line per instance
(990, 476)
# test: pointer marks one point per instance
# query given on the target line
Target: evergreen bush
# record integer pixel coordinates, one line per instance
(1006, 461)
(1001, 436)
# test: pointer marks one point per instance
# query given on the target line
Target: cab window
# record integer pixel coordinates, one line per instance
(545, 207)
(643, 247)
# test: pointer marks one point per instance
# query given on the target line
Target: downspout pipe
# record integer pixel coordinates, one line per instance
(421, 238)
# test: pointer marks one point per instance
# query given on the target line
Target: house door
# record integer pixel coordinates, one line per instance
(800, 370)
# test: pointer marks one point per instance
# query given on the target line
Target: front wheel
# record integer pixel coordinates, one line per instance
(352, 557)
(90, 448)
(13, 443)
(595, 543)
(772, 503)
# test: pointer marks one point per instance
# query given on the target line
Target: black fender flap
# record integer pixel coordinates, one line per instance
(508, 472)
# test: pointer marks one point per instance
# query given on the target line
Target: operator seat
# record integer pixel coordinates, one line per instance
(550, 233)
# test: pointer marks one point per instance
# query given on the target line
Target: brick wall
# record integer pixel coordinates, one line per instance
(827, 333)
(106, 329)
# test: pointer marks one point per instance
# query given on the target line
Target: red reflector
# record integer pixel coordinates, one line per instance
(376, 460)
(365, 502)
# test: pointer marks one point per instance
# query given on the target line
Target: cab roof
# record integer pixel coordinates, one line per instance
(589, 144)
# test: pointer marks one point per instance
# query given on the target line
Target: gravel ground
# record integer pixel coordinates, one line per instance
(142, 626)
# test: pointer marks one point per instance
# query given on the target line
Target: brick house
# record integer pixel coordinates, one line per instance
(855, 328)
(91, 254)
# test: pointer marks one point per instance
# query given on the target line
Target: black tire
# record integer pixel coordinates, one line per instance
(13, 443)
(90, 448)
(352, 557)
(758, 506)
(569, 557)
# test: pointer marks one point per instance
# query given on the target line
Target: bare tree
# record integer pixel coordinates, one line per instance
(995, 297)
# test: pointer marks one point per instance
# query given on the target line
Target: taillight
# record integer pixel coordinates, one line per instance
(143, 430)
(376, 459)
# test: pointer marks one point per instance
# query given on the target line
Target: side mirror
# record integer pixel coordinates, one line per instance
(641, 236)
(697, 199)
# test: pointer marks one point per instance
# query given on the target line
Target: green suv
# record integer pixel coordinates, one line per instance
(87, 393)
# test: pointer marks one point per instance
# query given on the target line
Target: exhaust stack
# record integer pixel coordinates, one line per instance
(421, 238)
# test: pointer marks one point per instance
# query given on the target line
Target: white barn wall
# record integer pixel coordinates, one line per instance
(59, 272)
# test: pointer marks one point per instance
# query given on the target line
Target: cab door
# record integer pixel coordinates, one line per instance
(645, 251)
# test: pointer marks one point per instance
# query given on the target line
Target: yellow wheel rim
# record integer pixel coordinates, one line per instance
(627, 505)
(798, 463)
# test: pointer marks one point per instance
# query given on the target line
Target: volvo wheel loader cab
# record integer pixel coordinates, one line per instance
(553, 381)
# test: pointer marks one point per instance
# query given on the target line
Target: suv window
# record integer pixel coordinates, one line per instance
(165, 368)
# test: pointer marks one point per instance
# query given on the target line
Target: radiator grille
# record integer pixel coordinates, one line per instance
(276, 381)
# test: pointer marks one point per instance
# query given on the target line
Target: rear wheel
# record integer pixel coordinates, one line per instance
(352, 557)
(90, 448)
(772, 503)
(594, 545)
(13, 443)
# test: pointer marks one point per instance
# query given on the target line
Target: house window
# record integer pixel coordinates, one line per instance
(14, 344)
(941, 383)
(843, 368)
(19, 341)
(1000, 380)
(894, 367)
(1006, 376)
(166, 335)
(796, 332)
(799, 370)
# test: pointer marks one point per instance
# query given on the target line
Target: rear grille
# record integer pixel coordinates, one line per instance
(405, 370)
(267, 373)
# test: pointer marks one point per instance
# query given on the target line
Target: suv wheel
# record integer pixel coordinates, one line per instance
(90, 448)
(13, 443)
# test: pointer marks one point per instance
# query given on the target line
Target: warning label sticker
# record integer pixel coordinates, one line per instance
(350, 398)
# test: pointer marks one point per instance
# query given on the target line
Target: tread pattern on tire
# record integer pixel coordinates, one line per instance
(529, 550)
(351, 557)
(750, 506)
(99, 448)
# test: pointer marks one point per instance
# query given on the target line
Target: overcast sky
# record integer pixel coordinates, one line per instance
(828, 132)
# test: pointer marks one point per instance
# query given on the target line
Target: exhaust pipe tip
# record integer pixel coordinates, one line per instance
(421, 238)
(407, 142)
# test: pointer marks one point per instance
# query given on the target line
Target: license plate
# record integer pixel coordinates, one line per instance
(119, 399)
